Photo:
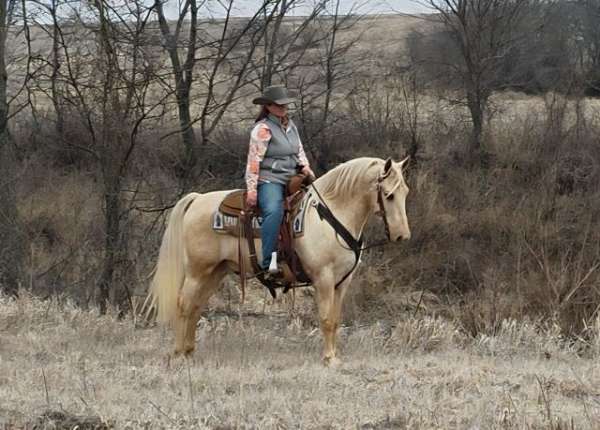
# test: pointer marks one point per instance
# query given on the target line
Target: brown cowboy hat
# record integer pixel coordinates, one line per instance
(276, 94)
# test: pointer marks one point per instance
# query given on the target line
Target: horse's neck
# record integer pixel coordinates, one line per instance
(353, 214)
(354, 211)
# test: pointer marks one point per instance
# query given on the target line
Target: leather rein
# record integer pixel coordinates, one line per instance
(355, 245)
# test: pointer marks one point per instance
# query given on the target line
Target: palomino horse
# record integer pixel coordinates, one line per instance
(194, 258)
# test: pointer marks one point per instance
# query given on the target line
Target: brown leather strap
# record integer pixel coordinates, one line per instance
(247, 222)
(381, 206)
(353, 244)
(242, 260)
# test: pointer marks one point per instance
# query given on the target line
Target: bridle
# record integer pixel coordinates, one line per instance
(356, 245)
(380, 196)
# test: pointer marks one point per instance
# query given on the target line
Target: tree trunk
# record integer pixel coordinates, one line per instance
(111, 242)
(190, 156)
(476, 108)
(272, 47)
(329, 69)
(183, 74)
(413, 149)
(55, 75)
(12, 243)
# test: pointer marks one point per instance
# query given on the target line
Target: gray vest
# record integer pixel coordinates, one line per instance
(281, 159)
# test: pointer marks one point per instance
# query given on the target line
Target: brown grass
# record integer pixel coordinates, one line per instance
(60, 365)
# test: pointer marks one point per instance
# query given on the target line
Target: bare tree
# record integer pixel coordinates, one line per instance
(221, 53)
(51, 8)
(123, 108)
(272, 42)
(335, 64)
(12, 239)
(485, 31)
(332, 36)
(586, 29)
(410, 106)
(229, 67)
(105, 78)
(287, 43)
(281, 48)
(182, 71)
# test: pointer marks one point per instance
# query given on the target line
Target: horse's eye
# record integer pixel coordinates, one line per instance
(390, 197)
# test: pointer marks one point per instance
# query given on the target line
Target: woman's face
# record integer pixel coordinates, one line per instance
(277, 110)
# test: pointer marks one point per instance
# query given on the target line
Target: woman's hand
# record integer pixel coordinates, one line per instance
(308, 172)
(251, 198)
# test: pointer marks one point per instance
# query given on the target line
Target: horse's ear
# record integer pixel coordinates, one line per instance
(403, 162)
(387, 168)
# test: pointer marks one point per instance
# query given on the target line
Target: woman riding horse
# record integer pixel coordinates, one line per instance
(274, 156)
(194, 258)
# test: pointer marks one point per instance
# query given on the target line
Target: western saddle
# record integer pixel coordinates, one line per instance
(246, 226)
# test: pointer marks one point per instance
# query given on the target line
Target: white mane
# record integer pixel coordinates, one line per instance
(344, 180)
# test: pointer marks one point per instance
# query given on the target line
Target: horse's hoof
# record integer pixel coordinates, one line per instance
(175, 359)
(187, 351)
(332, 362)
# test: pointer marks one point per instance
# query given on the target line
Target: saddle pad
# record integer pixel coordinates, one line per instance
(223, 222)
(229, 224)
(298, 217)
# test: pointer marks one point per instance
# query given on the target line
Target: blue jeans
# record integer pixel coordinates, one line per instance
(270, 202)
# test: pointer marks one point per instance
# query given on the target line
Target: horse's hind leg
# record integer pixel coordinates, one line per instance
(193, 296)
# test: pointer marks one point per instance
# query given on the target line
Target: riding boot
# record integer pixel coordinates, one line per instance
(273, 265)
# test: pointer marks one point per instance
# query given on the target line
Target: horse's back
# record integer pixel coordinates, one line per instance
(201, 241)
(205, 204)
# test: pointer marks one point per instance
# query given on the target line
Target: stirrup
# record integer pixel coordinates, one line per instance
(276, 276)
(269, 282)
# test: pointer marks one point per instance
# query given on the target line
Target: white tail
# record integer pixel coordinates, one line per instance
(169, 272)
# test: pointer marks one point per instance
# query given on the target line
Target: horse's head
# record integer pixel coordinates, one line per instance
(391, 199)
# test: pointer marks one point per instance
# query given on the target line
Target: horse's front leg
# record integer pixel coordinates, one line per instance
(338, 301)
(325, 298)
(329, 303)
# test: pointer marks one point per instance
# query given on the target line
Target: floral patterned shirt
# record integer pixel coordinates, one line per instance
(259, 142)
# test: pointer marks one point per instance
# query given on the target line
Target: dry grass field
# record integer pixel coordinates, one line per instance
(258, 367)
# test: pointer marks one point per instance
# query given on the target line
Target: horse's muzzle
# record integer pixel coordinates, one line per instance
(403, 237)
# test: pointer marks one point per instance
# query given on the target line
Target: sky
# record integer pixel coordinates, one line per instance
(249, 7)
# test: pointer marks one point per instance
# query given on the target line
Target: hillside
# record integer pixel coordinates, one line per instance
(379, 37)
